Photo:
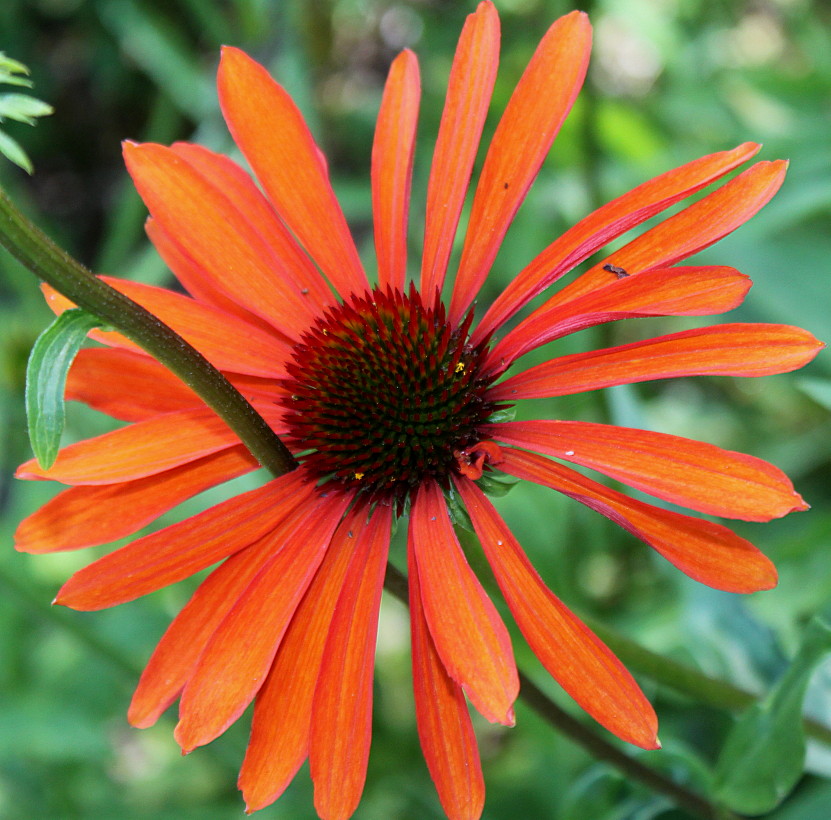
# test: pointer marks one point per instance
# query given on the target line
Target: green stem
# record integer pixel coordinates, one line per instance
(601, 749)
(597, 746)
(39, 254)
(685, 679)
(30, 246)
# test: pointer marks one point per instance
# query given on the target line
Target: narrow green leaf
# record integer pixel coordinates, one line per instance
(496, 484)
(457, 510)
(506, 414)
(764, 754)
(7, 64)
(12, 151)
(49, 362)
(23, 108)
(12, 79)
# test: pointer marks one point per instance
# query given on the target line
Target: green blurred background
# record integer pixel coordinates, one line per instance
(670, 80)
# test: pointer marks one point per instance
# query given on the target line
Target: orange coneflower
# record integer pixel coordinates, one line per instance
(394, 405)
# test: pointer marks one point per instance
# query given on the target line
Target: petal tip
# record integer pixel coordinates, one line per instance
(232, 54)
(768, 578)
(62, 599)
(129, 148)
(510, 718)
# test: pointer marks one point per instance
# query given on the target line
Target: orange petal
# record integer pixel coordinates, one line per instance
(444, 726)
(342, 715)
(392, 168)
(216, 236)
(239, 654)
(707, 552)
(532, 118)
(90, 515)
(126, 385)
(469, 90)
(283, 712)
(228, 342)
(271, 132)
(468, 633)
(139, 450)
(605, 224)
(690, 473)
(195, 281)
(693, 229)
(580, 662)
(104, 375)
(185, 548)
(684, 291)
(722, 350)
(177, 653)
(238, 186)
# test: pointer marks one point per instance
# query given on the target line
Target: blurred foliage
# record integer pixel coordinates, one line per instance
(669, 81)
(19, 107)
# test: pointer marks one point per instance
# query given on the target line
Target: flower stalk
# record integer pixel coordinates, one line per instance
(30, 246)
(37, 252)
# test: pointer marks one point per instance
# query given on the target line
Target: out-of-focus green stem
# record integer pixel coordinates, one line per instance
(686, 680)
(29, 245)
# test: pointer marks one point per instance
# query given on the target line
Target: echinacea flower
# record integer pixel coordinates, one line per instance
(394, 405)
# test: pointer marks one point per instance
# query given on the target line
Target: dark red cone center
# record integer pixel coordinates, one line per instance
(385, 393)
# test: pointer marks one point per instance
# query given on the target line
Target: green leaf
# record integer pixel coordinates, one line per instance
(500, 416)
(10, 66)
(11, 79)
(496, 484)
(764, 754)
(11, 150)
(49, 362)
(23, 108)
(20, 107)
(457, 510)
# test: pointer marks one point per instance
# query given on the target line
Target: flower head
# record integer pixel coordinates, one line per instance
(393, 404)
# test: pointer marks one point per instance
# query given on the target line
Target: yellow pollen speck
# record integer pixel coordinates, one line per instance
(358, 476)
(460, 368)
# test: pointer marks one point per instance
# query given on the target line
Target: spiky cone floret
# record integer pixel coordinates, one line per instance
(390, 401)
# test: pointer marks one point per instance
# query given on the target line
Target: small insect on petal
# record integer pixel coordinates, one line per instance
(619, 272)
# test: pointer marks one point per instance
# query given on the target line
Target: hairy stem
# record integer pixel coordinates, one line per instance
(30, 246)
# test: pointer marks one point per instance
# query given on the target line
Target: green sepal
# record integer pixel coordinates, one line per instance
(764, 754)
(501, 416)
(49, 362)
(496, 485)
(457, 510)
